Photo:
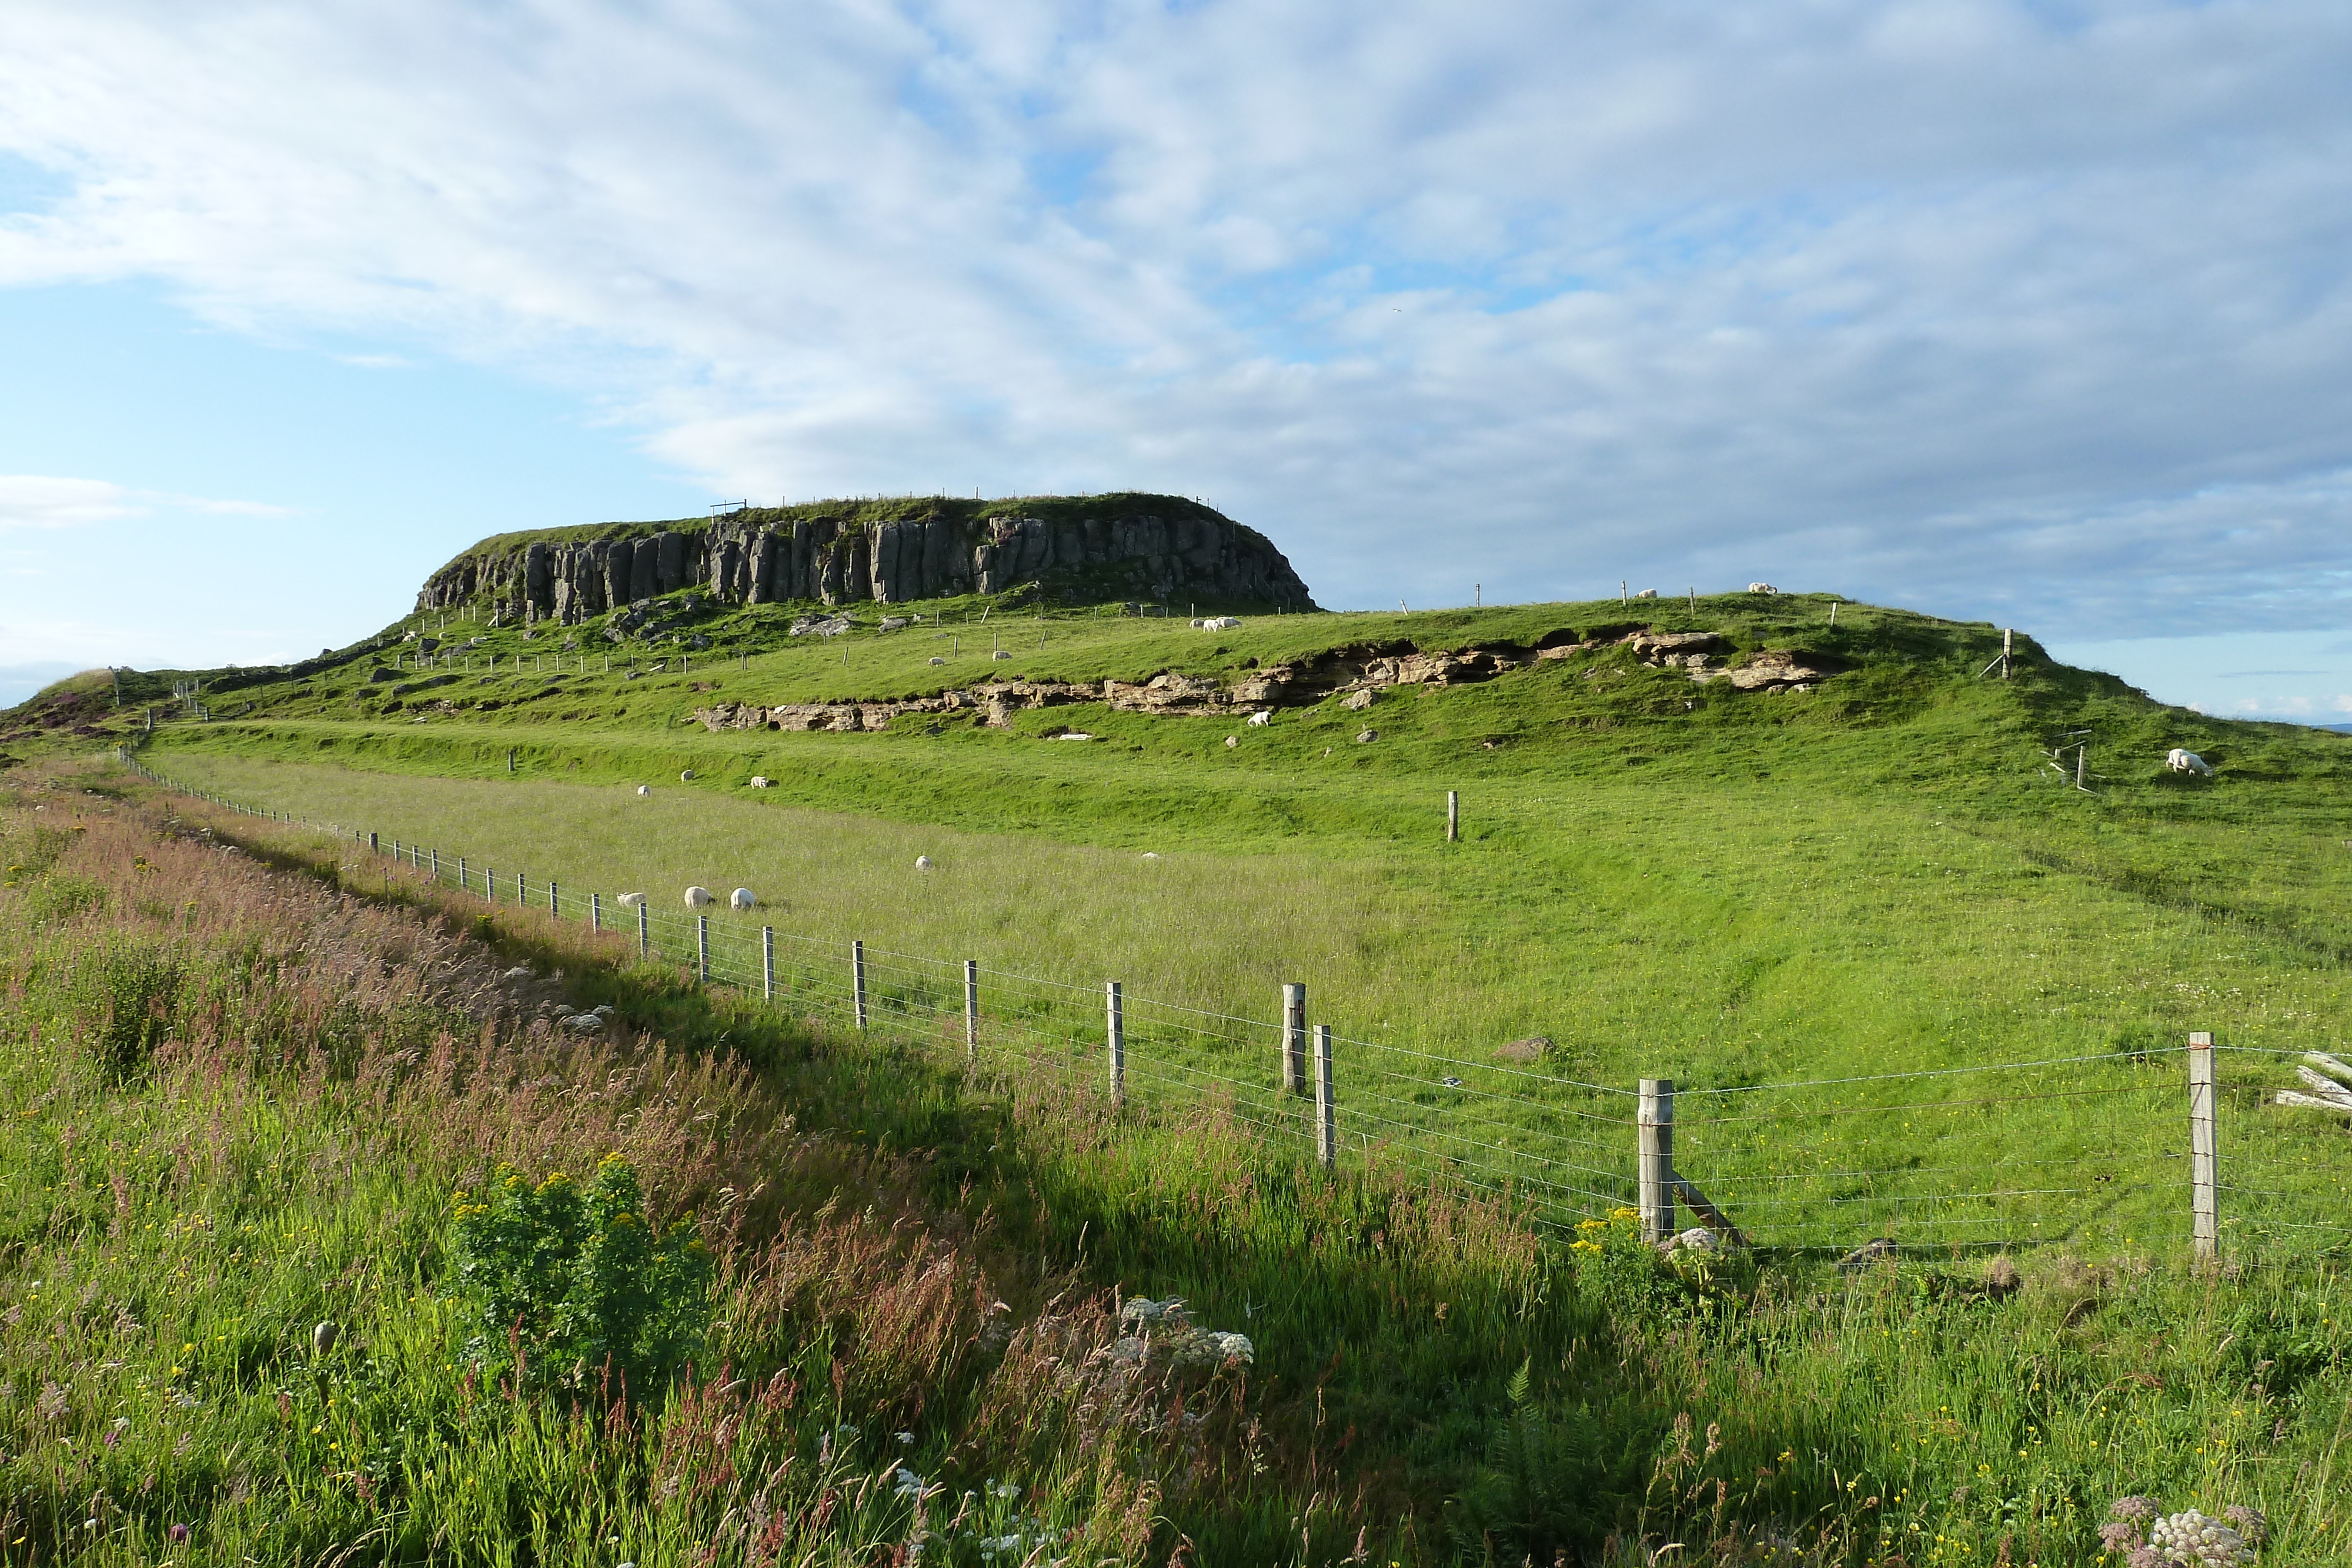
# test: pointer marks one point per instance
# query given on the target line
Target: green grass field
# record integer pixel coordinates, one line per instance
(1664, 879)
(1760, 897)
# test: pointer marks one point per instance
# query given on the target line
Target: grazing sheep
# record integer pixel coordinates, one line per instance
(644, 789)
(1761, 588)
(1220, 622)
(2182, 761)
(740, 899)
(759, 782)
(697, 898)
(1263, 718)
(1152, 854)
(687, 777)
(1645, 593)
(922, 862)
(630, 900)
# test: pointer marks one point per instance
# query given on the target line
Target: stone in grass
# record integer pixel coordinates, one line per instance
(1881, 1249)
(1532, 1048)
(1356, 702)
(1366, 737)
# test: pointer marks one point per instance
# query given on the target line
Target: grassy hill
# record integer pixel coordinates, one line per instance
(1739, 890)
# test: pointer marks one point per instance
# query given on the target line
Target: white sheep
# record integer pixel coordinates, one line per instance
(1761, 588)
(759, 782)
(630, 900)
(697, 898)
(922, 862)
(741, 899)
(644, 789)
(2182, 761)
(1262, 719)
(1645, 593)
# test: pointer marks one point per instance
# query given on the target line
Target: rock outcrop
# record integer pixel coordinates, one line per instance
(1352, 675)
(1089, 549)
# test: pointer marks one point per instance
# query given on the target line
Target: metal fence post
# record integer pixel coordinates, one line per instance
(554, 909)
(858, 980)
(437, 865)
(1117, 1030)
(702, 948)
(522, 891)
(1294, 1039)
(768, 963)
(2205, 1213)
(463, 886)
(1656, 1125)
(1327, 1115)
(489, 885)
(595, 912)
(972, 1008)
(644, 934)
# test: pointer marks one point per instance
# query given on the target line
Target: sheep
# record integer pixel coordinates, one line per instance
(759, 782)
(1220, 622)
(644, 789)
(922, 862)
(2182, 761)
(1645, 593)
(697, 898)
(742, 898)
(1761, 588)
(630, 900)
(1261, 719)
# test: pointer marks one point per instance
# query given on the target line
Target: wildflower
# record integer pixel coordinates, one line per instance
(909, 1484)
(904, 1438)
(177, 1532)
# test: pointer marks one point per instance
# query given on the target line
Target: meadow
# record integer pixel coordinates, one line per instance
(1662, 880)
(250, 1083)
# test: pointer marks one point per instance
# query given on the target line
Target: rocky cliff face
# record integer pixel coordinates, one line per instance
(1079, 549)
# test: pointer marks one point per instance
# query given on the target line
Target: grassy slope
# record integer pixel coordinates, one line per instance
(1664, 878)
(168, 1233)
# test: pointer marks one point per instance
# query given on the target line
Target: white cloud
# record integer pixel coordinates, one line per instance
(46, 501)
(1987, 309)
(40, 501)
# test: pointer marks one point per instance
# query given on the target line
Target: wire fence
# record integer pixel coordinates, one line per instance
(2179, 1149)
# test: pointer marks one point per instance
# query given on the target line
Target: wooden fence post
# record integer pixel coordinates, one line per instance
(489, 885)
(1327, 1116)
(702, 948)
(2204, 1208)
(645, 934)
(1453, 816)
(375, 848)
(1655, 1125)
(858, 980)
(972, 1008)
(768, 963)
(1117, 1030)
(437, 865)
(1294, 1039)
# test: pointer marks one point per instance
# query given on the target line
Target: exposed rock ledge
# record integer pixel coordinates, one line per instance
(1353, 675)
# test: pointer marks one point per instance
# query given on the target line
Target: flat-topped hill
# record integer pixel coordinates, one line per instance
(1125, 546)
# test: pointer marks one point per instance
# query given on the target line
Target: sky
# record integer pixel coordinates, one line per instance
(2033, 313)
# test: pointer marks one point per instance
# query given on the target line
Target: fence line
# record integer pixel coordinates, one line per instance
(2173, 1171)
